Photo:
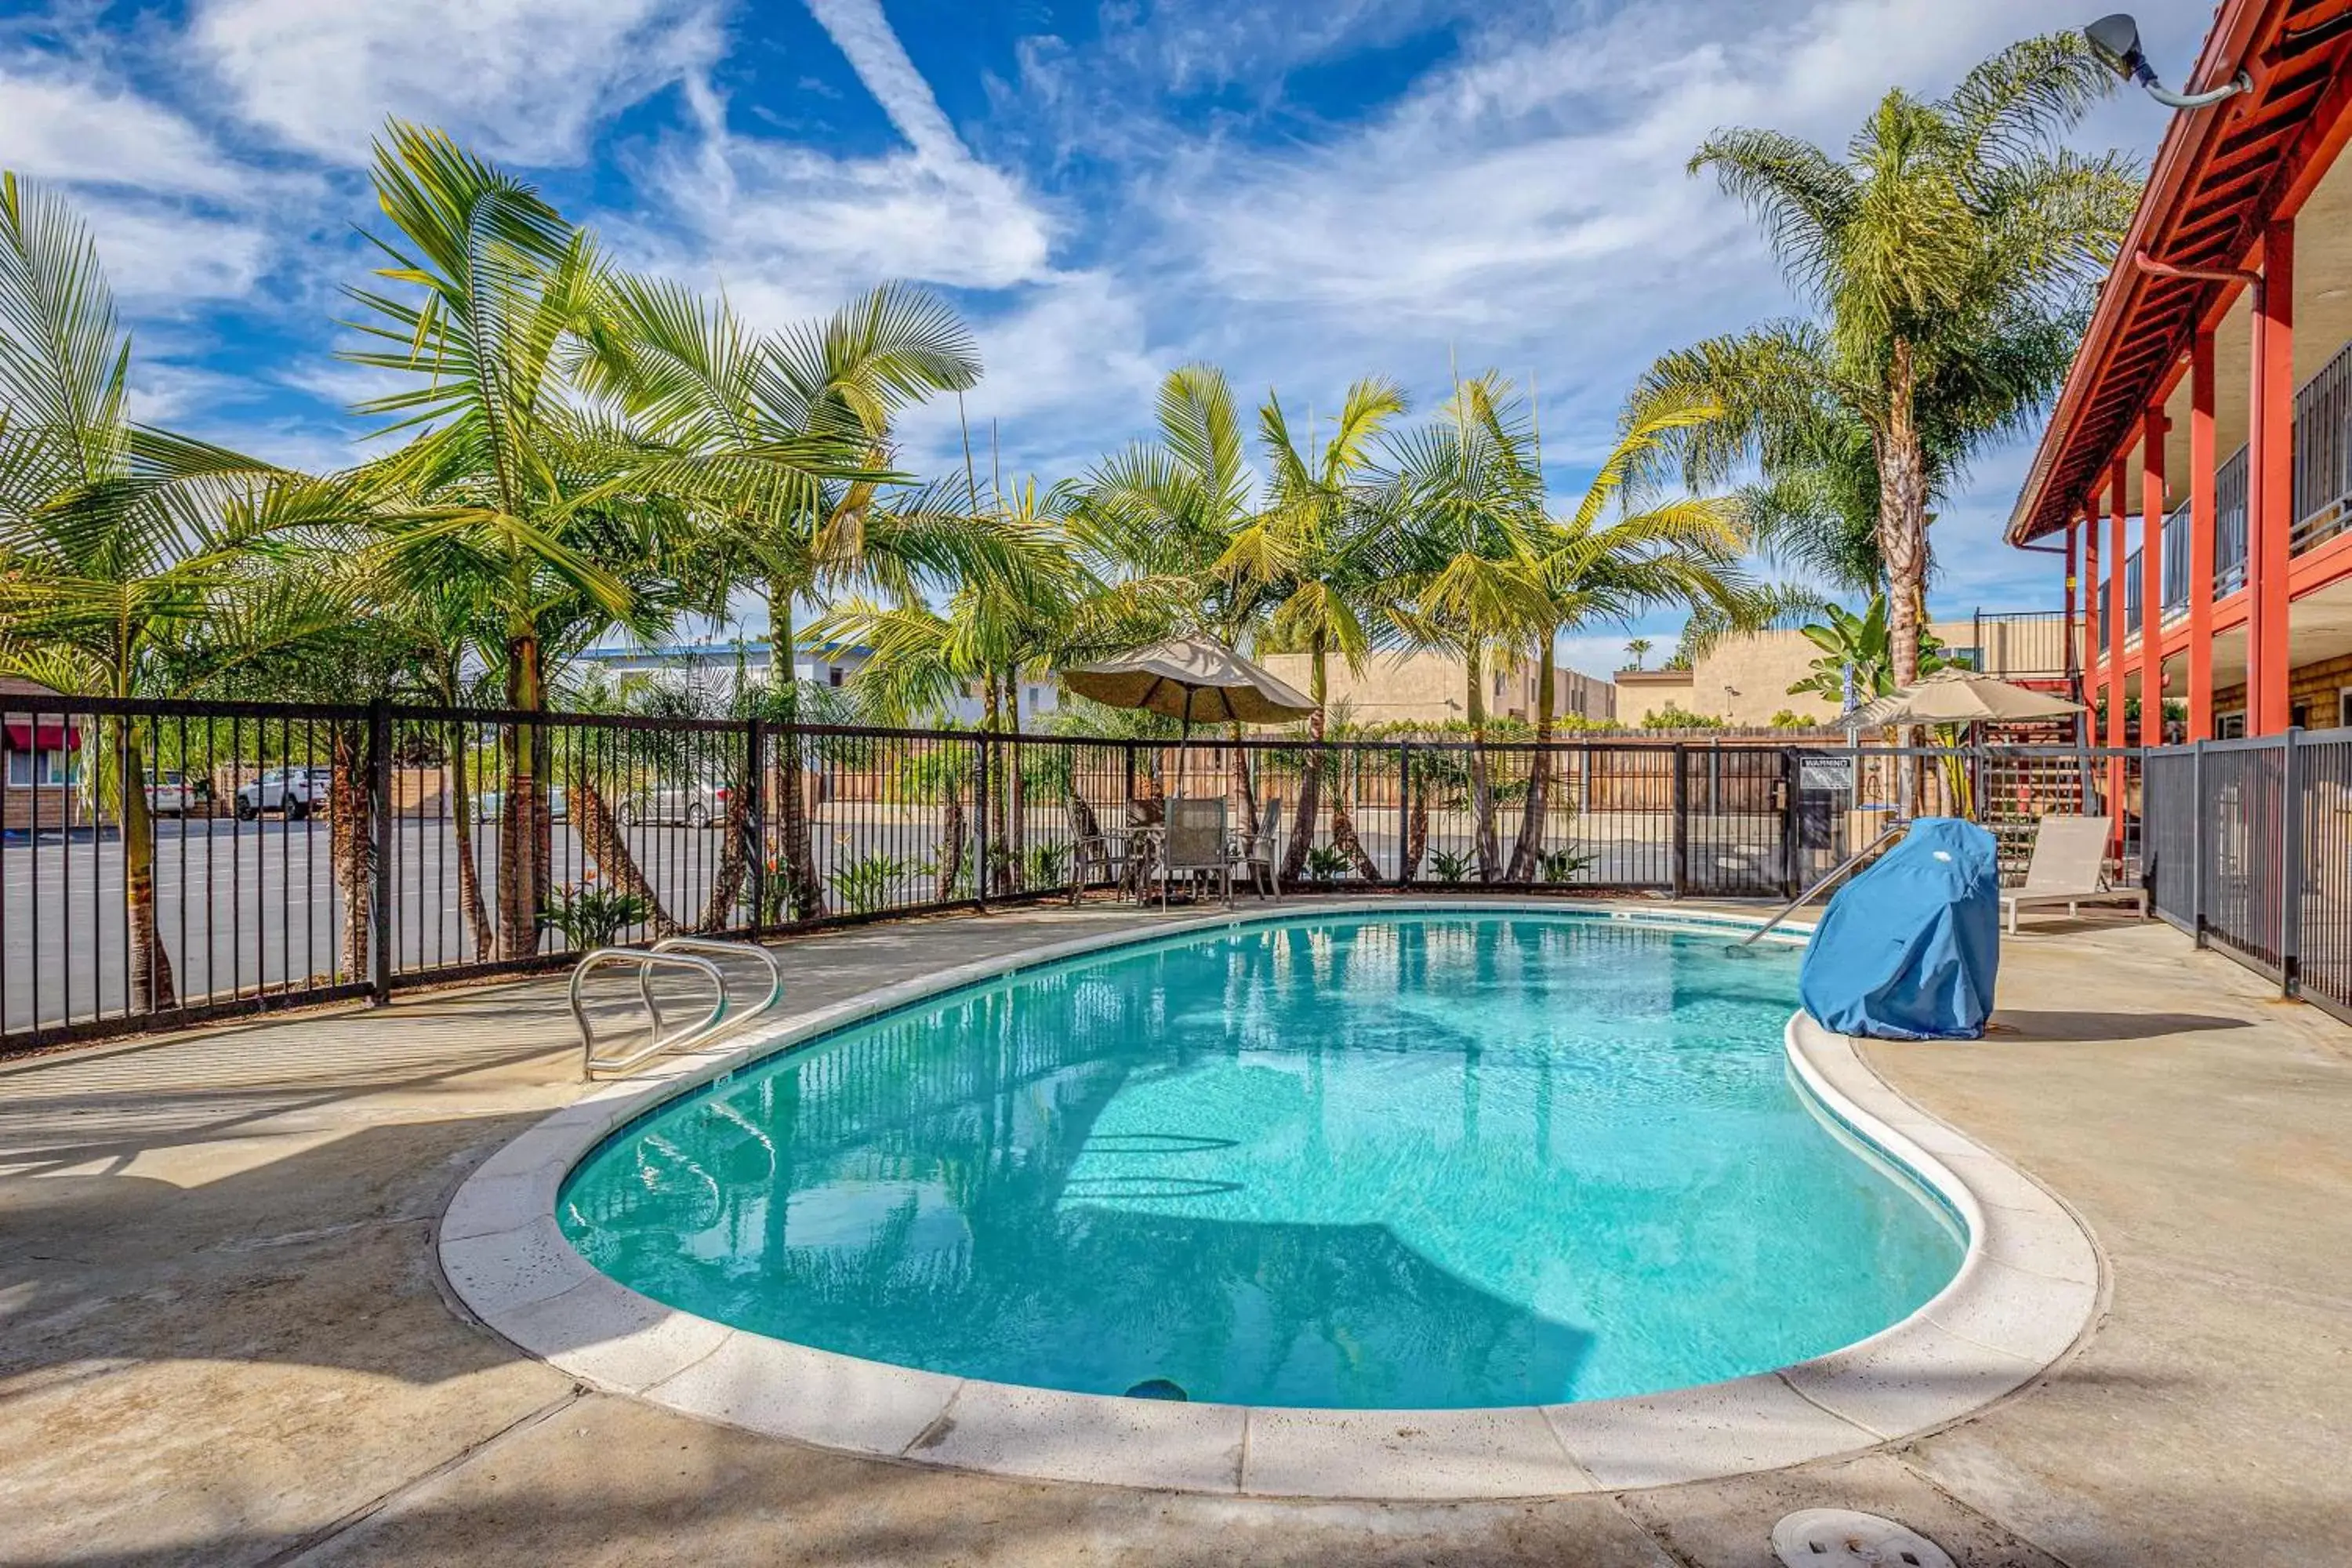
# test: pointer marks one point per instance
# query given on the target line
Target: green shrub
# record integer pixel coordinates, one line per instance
(867, 884)
(590, 916)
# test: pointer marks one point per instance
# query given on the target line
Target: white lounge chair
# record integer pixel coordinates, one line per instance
(2069, 868)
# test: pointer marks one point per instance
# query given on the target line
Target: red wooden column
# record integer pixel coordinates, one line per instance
(2151, 578)
(2270, 482)
(2093, 665)
(2119, 519)
(2067, 627)
(2204, 519)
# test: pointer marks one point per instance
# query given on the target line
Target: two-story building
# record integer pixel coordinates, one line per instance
(2195, 476)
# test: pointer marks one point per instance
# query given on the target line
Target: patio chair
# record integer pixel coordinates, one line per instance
(1252, 855)
(1112, 849)
(2069, 868)
(1193, 844)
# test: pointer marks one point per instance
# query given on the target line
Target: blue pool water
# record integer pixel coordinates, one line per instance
(1406, 1160)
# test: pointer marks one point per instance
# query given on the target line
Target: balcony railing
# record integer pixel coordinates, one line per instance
(2023, 645)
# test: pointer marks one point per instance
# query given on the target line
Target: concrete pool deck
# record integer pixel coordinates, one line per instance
(225, 1340)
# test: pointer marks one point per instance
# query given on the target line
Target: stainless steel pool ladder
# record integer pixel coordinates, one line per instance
(1893, 830)
(691, 953)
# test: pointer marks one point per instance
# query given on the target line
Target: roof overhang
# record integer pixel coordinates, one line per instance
(2220, 176)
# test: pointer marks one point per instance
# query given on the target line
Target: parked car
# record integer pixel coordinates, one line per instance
(696, 805)
(297, 792)
(489, 805)
(171, 794)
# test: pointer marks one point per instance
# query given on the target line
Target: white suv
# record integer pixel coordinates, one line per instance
(297, 792)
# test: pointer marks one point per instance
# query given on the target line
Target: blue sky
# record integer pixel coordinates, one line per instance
(1301, 194)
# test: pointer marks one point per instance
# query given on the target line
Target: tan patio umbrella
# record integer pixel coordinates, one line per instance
(1958, 696)
(1191, 680)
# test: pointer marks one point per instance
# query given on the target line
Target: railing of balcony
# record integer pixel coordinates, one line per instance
(2323, 502)
(2030, 644)
(2230, 526)
(2323, 452)
(2176, 563)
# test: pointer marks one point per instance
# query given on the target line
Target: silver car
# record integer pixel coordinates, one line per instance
(297, 792)
(696, 805)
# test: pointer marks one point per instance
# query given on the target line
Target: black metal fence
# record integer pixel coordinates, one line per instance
(2251, 852)
(163, 863)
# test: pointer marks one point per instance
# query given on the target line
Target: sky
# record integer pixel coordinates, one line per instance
(1301, 194)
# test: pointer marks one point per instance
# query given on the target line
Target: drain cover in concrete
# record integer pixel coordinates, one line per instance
(1841, 1538)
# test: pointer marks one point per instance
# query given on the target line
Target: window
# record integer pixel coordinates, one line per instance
(2298, 716)
(834, 675)
(53, 766)
(2343, 707)
(2230, 726)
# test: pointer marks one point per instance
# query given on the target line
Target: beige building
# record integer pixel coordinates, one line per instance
(1427, 687)
(1745, 683)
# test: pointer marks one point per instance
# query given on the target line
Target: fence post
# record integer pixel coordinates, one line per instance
(2290, 866)
(755, 821)
(2197, 845)
(980, 867)
(1790, 883)
(380, 926)
(1404, 809)
(1681, 821)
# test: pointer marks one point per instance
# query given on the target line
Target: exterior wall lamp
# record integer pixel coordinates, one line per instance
(2116, 40)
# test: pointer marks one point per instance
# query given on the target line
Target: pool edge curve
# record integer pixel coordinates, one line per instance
(2030, 1287)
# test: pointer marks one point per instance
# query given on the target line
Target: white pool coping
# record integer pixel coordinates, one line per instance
(2027, 1291)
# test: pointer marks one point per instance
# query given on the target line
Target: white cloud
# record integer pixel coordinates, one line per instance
(523, 80)
(790, 230)
(73, 128)
(166, 258)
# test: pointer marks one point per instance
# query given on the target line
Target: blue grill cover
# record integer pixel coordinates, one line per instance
(1909, 949)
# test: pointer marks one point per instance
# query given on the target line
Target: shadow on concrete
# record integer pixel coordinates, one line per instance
(2030, 1023)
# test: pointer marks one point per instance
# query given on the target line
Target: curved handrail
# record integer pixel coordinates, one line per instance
(714, 947)
(590, 1064)
(1899, 825)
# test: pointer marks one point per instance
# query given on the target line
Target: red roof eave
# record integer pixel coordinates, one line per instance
(2140, 324)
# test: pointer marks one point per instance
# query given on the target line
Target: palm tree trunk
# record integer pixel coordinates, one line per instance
(1903, 534)
(951, 831)
(1527, 852)
(1016, 790)
(734, 860)
(522, 864)
(351, 845)
(471, 910)
(1245, 788)
(1903, 519)
(1482, 784)
(804, 893)
(151, 979)
(1416, 825)
(1343, 819)
(1310, 776)
(601, 840)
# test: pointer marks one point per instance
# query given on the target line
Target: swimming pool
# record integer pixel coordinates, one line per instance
(1389, 1160)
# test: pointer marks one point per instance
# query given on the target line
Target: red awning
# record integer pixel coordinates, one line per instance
(44, 738)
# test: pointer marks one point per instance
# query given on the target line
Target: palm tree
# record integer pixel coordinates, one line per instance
(782, 445)
(119, 544)
(1154, 522)
(1019, 604)
(1637, 649)
(1594, 566)
(516, 491)
(1950, 254)
(1463, 568)
(1311, 551)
